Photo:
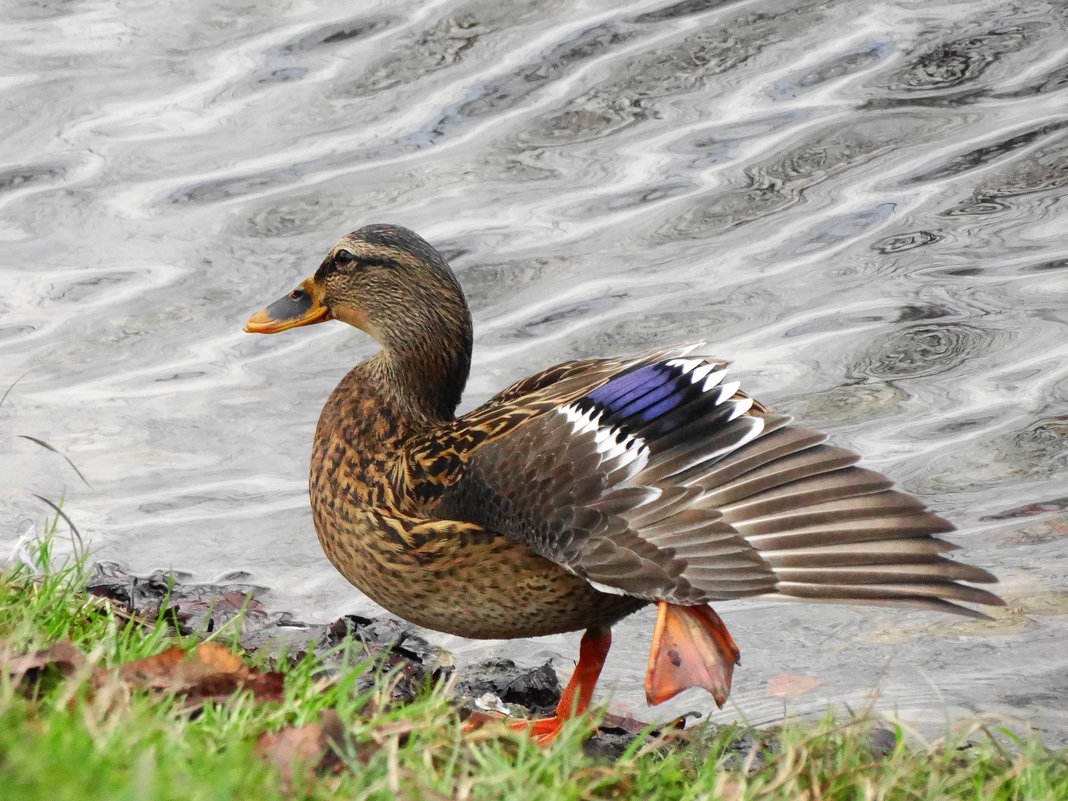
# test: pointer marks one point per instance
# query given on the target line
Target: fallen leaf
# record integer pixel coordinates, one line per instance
(265, 687)
(1028, 510)
(300, 751)
(63, 656)
(178, 670)
(476, 719)
(624, 722)
(207, 672)
(190, 608)
(787, 685)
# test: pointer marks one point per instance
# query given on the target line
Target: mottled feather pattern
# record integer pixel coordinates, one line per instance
(595, 485)
(576, 476)
(436, 459)
(583, 492)
(666, 483)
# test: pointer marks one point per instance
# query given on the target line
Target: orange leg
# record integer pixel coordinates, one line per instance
(575, 699)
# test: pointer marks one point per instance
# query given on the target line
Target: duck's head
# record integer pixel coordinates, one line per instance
(383, 279)
(389, 282)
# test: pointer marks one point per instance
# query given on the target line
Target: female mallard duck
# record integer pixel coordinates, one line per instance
(584, 492)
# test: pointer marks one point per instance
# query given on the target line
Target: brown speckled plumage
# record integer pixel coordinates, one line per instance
(437, 573)
(586, 491)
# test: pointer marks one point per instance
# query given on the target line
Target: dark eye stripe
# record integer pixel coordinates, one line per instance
(343, 259)
(327, 268)
(376, 262)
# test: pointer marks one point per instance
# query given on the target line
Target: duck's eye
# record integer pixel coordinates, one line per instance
(343, 258)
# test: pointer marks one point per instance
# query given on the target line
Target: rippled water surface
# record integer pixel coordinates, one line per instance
(863, 205)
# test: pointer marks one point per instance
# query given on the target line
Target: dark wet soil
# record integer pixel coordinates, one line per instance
(392, 646)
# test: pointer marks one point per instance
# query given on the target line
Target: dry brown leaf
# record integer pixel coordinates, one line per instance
(625, 722)
(209, 671)
(300, 751)
(62, 655)
(265, 687)
(787, 685)
(177, 670)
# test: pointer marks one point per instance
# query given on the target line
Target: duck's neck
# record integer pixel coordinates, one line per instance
(426, 363)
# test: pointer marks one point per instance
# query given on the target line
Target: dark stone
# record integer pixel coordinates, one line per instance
(188, 608)
(536, 690)
(883, 741)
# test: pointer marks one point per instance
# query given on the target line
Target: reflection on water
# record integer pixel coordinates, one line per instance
(862, 205)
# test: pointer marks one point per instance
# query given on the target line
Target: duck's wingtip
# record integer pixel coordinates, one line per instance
(686, 348)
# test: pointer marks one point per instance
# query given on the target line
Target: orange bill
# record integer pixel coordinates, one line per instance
(691, 648)
(299, 307)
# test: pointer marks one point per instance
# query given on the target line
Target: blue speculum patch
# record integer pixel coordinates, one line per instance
(646, 393)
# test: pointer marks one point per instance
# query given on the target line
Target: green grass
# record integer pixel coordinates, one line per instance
(64, 740)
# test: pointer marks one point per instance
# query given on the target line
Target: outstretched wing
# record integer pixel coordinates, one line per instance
(664, 482)
(573, 484)
(438, 459)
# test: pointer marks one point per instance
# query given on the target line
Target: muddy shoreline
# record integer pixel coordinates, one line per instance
(391, 645)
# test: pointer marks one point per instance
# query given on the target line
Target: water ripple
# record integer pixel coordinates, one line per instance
(861, 205)
(923, 350)
(962, 61)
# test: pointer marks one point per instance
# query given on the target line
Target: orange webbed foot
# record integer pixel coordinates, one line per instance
(574, 701)
(542, 731)
(691, 648)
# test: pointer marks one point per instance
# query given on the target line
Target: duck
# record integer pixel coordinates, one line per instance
(587, 491)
